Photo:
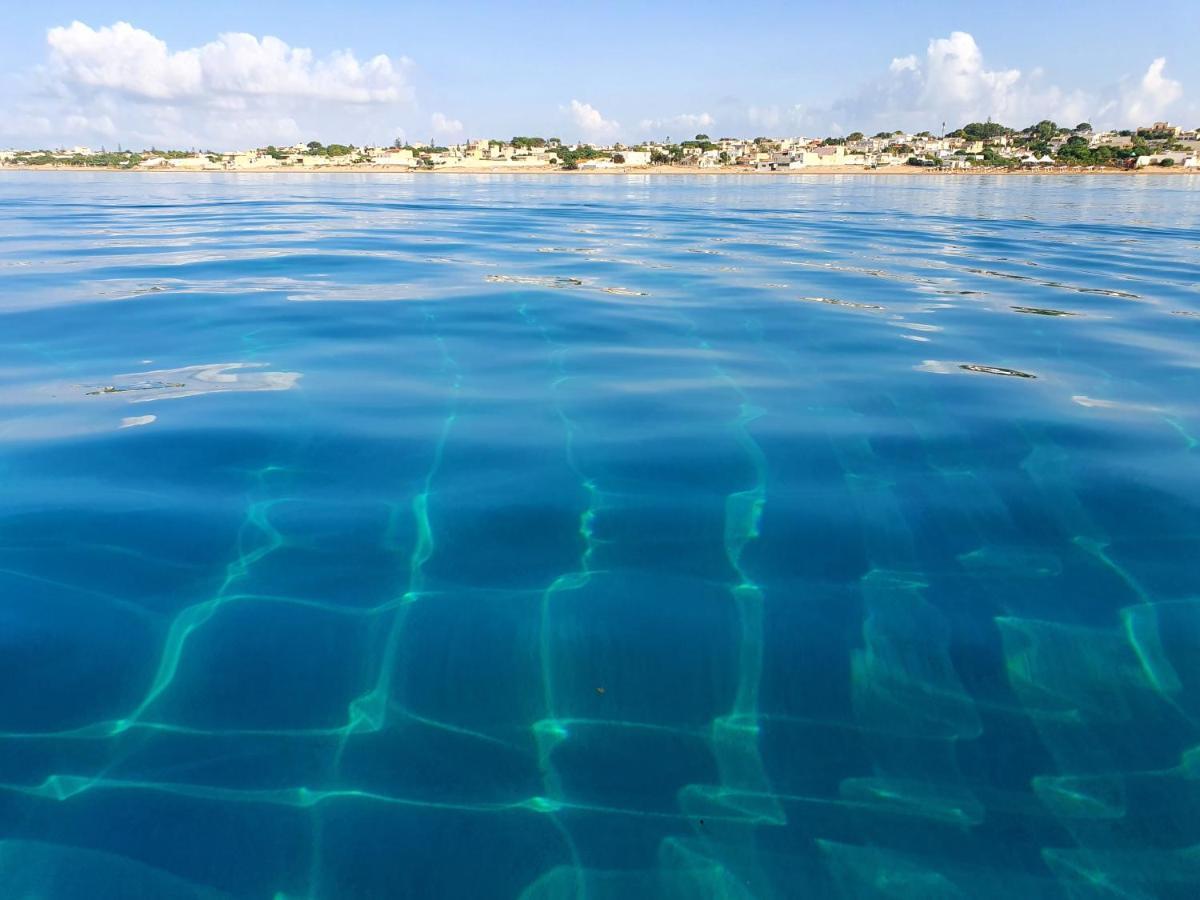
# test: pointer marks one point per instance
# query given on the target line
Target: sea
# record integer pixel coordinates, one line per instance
(599, 538)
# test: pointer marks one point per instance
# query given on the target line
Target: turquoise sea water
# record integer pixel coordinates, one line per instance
(599, 538)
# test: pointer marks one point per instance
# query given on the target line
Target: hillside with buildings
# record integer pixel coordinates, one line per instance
(984, 146)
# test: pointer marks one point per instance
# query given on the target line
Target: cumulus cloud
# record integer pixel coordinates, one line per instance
(1151, 96)
(952, 83)
(133, 61)
(119, 80)
(590, 122)
(681, 122)
(444, 126)
(773, 119)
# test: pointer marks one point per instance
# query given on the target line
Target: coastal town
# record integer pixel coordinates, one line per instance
(978, 146)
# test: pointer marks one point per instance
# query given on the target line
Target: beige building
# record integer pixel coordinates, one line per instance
(397, 156)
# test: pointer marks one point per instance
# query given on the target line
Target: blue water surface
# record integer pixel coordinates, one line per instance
(613, 537)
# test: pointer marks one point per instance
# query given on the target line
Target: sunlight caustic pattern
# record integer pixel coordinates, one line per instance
(599, 540)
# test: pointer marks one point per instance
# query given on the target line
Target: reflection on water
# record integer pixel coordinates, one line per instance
(189, 381)
(615, 543)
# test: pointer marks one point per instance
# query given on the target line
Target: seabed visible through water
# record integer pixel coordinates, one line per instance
(505, 537)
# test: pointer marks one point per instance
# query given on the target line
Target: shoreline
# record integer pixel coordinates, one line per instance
(667, 171)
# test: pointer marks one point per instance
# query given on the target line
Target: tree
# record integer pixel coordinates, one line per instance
(1083, 126)
(315, 146)
(724, 158)
(854, 136)
(1043, 130)
(982, 131)
(703, 137)
(619, 158)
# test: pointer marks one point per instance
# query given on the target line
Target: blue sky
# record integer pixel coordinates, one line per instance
(205, 74)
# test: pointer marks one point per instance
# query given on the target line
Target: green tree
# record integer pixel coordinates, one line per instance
(854, 136)
(1043, 130)
(703, 137)
(982, 131)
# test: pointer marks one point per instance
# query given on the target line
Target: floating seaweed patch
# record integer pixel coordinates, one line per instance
(995, 370)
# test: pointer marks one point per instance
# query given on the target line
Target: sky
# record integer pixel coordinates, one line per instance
(225, 75)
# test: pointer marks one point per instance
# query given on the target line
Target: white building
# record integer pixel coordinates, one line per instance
(636, 157)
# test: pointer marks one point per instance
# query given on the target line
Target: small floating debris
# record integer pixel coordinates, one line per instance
(849, 304)
(995, 370)
(1040, 311)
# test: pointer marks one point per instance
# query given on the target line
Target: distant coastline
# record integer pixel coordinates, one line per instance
(654, 171)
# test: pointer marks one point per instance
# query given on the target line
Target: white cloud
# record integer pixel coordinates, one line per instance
(119, 81)
(1151, 97)
(681, 122)
(589, 121)
(443, 126)
(776, 119)
(952, 83)
(133, 61)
